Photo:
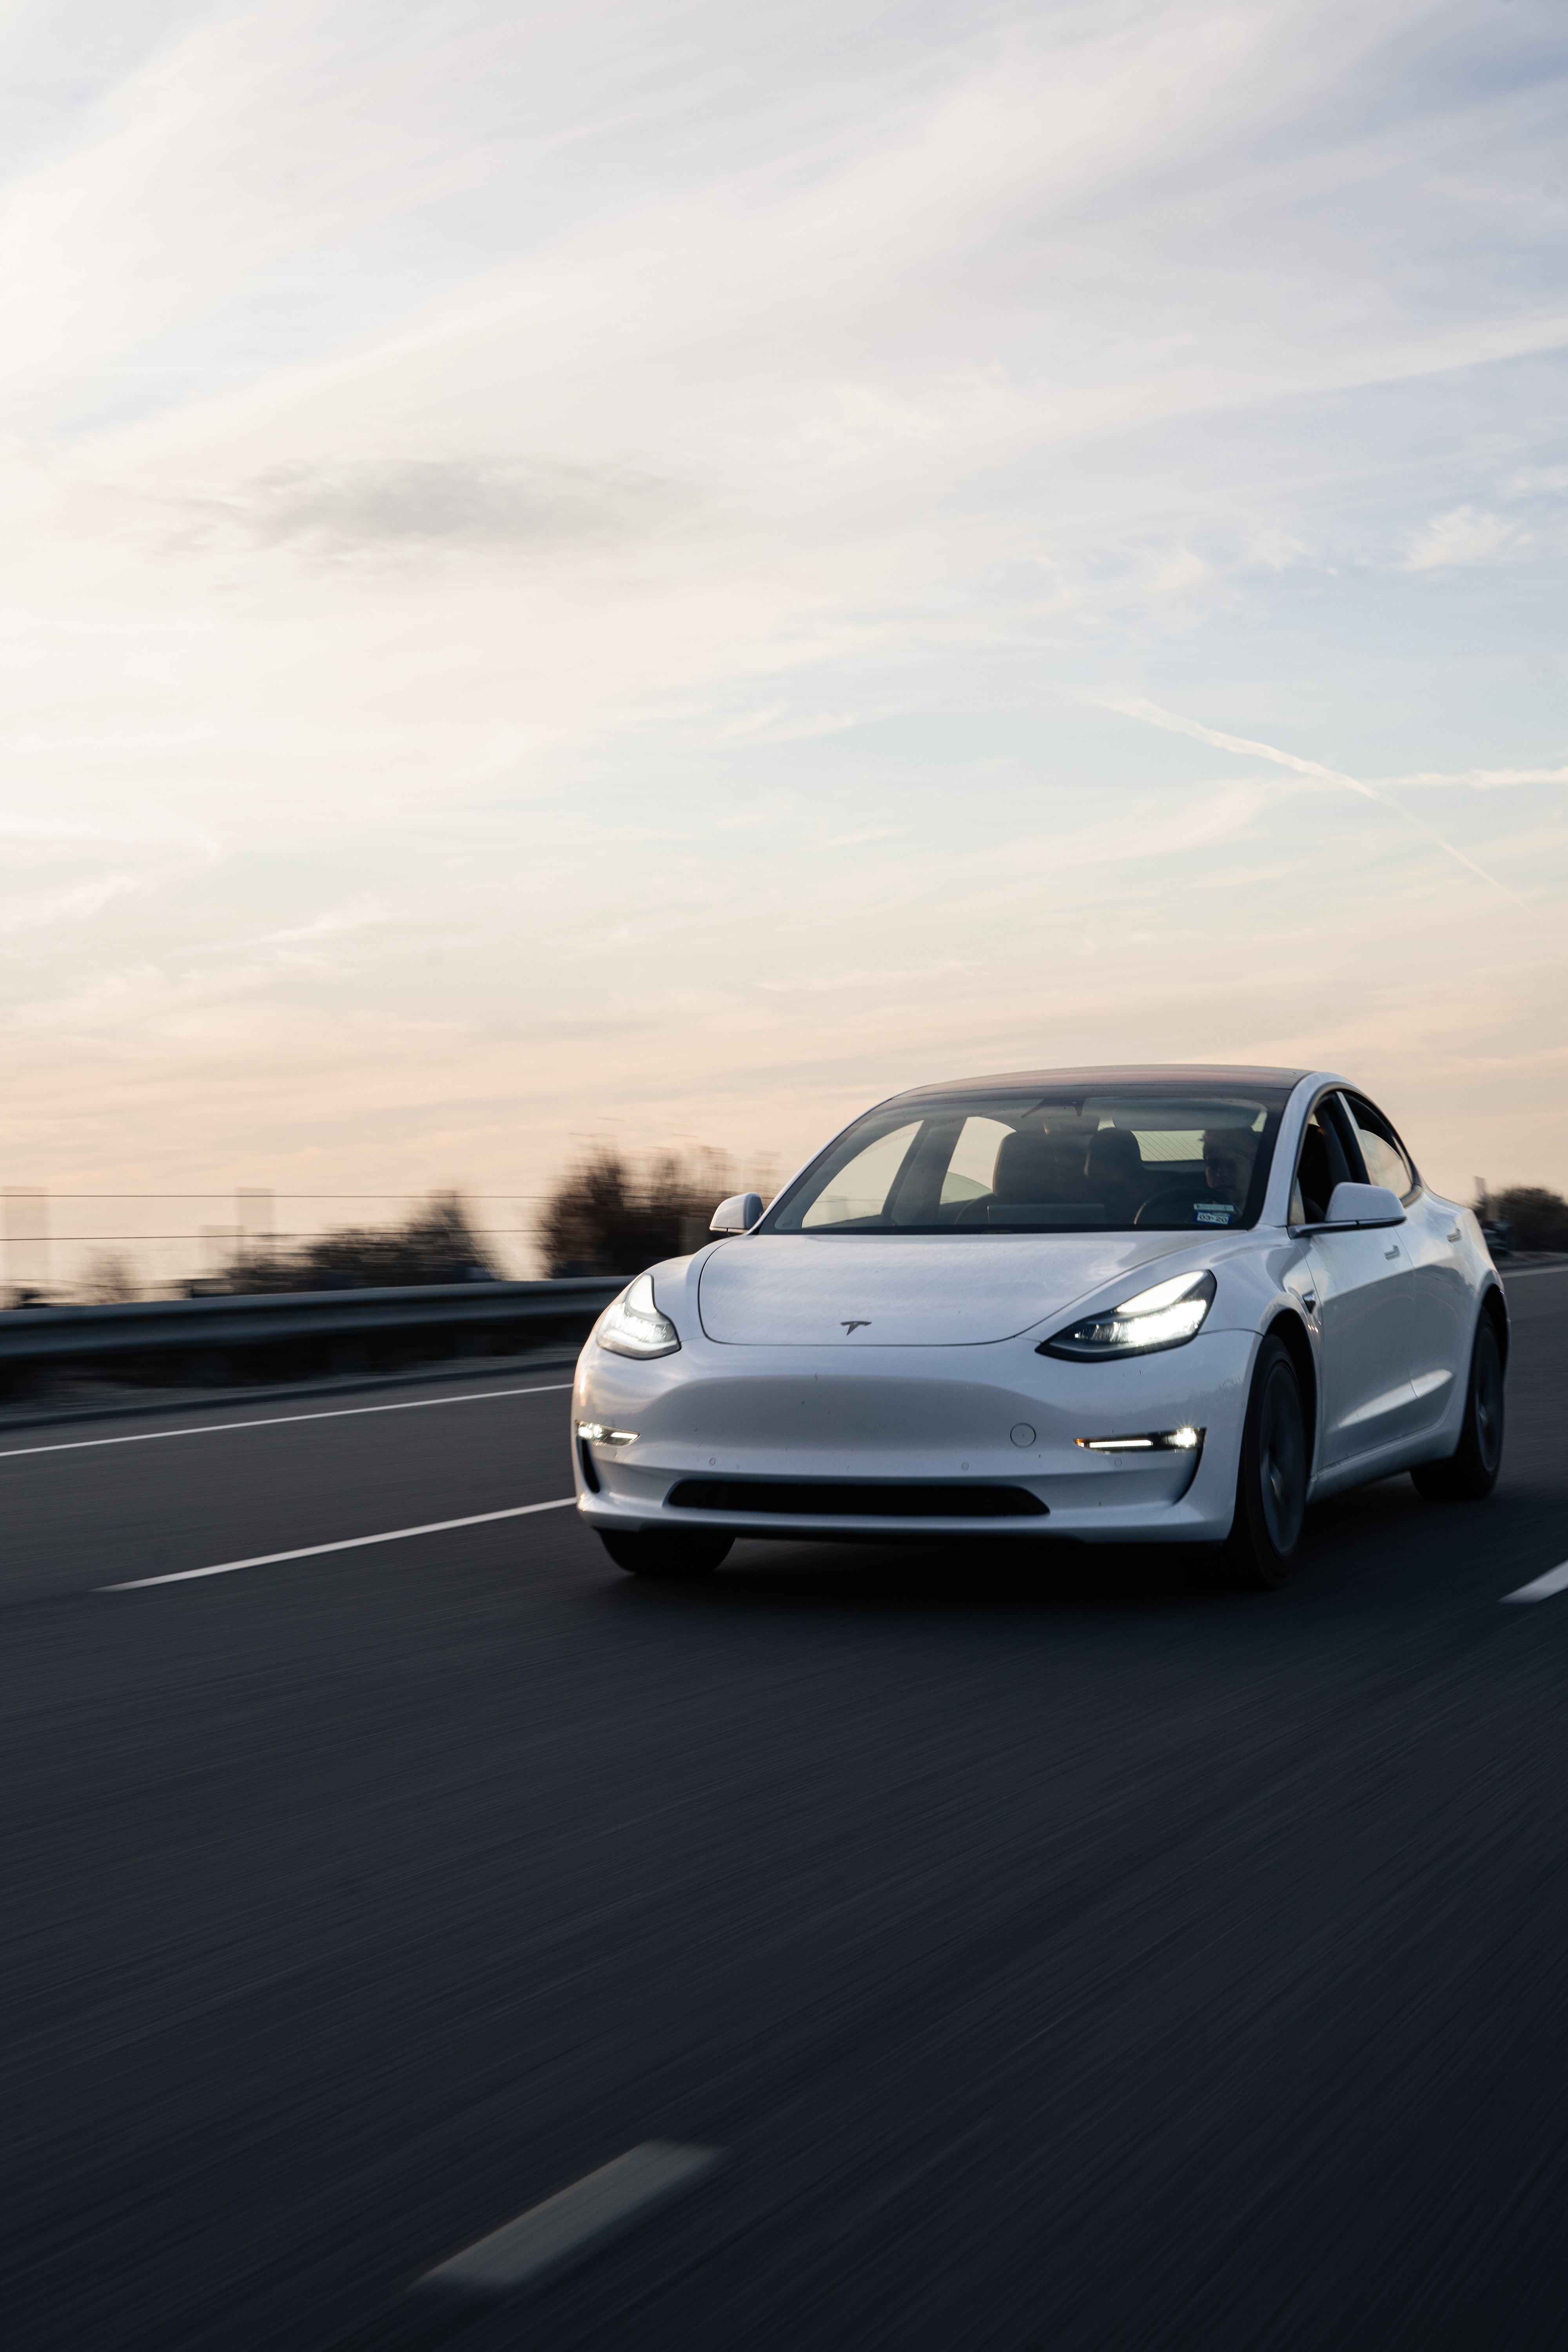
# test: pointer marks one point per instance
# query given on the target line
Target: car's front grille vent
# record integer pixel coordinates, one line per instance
(854, 1500)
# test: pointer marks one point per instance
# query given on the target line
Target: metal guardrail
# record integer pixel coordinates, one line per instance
(206, 1326)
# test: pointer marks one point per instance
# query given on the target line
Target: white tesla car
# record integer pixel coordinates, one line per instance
(1150, 1305)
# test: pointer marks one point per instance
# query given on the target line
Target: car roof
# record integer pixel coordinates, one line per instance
(1116, 1074)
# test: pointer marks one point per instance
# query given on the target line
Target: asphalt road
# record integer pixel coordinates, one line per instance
(1061, 1955)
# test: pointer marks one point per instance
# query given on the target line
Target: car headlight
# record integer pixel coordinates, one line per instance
(633, 1325)
(1165, 1317)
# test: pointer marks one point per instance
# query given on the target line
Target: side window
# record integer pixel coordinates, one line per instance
(973, 1162)
(1385, 1155)
(1320, 1164)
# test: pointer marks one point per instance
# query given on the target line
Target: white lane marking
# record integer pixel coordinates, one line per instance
(1555, 1581)
(1514, 1273)
(595, 2208)
(344, 1543)
(282, 1420)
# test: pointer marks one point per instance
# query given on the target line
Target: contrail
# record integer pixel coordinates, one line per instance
(1152, 713)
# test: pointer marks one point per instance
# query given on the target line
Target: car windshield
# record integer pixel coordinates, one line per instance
(1162, 1158)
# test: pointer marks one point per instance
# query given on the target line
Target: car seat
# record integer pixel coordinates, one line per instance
(1033, 1170)
(1038, 1167)
(1114, 1170)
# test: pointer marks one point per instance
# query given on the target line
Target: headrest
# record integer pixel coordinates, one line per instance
(1112, 1157)
(1035, 1167)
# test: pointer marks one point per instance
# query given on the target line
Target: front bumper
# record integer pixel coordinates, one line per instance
(977, 1417)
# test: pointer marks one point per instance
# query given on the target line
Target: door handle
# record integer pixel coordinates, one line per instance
(1392, 1253)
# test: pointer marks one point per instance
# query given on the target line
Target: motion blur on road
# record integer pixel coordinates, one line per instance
(1058, 1954)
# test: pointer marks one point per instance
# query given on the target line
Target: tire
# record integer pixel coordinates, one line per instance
(1470, 1472)
(1271, 1483)
(676, 1559)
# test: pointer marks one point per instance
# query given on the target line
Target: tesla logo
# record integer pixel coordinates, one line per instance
(863, 1325)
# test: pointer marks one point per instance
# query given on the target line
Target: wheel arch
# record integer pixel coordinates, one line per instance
(1291, 1330)
(1495, 1306)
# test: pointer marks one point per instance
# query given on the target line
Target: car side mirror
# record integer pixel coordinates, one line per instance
(1364, 1204)
(740, 1212)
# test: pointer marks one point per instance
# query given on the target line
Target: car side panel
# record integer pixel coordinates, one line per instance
(1366, 1314)
(1448, 1250)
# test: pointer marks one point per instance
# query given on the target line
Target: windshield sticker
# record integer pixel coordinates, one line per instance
(1213, 1213)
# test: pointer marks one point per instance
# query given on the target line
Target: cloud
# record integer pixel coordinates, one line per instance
(77, 903)
(776, 724)
(1467, 535)
(354, 915)
(45, 829)
(860, 980)
(364, 913)
(413, 507)
(1480, 779)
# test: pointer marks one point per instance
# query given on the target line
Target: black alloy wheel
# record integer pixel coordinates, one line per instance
(1470, 1472)
(676, 1557)
(1271, 1481)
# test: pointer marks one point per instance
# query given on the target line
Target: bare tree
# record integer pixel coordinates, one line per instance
(611, 1213)
(438, 1243)
(107, 1280)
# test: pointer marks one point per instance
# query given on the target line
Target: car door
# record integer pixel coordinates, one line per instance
(1439, 1340)
(1366, 1299)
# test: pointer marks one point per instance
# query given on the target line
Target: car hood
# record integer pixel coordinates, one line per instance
(798, 1290)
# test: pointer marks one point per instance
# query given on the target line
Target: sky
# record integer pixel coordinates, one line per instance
(656, 574)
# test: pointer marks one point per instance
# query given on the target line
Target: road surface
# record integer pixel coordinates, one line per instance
(1056, 1955)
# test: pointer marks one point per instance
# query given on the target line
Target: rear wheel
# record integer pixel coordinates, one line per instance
(1271, 1482)
(1470, 1472)
(676, 1556)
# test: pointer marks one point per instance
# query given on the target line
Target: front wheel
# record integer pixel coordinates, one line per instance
(1470, 1472)
(675, 1556)
(1271, 1482)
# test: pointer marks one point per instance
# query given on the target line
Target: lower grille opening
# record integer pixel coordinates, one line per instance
(854, 1500)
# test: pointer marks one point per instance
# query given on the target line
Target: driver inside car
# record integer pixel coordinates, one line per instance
(1229, 1155)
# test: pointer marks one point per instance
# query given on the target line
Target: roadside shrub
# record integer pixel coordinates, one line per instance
(1539, 1218)
(107, 1280)
(611, 1213)
(438, 1243)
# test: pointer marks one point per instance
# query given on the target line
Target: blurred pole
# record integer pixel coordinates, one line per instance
(26, 1235)
(253, 1210)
